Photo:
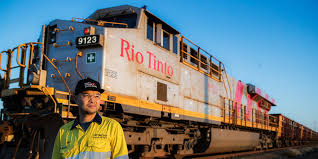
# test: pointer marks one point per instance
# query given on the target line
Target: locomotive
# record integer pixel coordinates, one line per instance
(171, 96)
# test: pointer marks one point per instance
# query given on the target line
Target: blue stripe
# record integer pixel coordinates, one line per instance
(122, 157)
(91, 154)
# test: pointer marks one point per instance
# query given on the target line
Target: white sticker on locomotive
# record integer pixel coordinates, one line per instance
(91, 58)
(111, 73)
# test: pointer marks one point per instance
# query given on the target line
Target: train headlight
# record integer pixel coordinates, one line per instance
(33, 78)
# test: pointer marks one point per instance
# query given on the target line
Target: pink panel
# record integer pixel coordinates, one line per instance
(266, 113)
(239, 95)
(258, 91)
(249, 107)
(259, 103)
(273, 101)
(266, 96)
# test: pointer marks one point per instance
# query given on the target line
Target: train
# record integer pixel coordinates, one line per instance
(171, 96)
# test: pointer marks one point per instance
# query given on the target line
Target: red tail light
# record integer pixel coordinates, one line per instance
(87, 31)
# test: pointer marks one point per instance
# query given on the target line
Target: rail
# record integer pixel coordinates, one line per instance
(100, 22)
(228, 84)
(79, 54)
(238, 114)
(20, 63)
(21, 55)
(198, 59)
(261, 153)
(69, 91)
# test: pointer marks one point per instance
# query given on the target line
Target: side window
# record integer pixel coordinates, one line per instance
(160, 35)
(166, 41)
(150, 29)
(175, 44)
(156, 39)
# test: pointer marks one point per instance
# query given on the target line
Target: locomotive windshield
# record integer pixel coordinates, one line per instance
(118, 16)
(129, 19)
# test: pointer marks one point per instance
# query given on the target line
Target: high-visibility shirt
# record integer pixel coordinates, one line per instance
(103, 139)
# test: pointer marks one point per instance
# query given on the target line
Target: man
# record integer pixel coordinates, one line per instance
(90, 135)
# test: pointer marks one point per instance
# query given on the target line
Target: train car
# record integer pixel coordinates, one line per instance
(315, 137)
(291, 133)
(170, 95)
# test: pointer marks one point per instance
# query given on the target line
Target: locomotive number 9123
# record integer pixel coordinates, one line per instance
(86, 41)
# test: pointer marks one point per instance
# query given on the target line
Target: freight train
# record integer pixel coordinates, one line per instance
(171, 96)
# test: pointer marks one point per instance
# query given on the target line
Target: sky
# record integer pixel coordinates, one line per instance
(272, 44)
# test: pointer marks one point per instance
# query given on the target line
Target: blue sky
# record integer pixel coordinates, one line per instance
(272, 44)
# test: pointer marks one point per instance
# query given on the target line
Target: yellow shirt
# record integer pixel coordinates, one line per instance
(103, 139)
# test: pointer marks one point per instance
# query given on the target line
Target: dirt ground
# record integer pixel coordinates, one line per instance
(291, 153)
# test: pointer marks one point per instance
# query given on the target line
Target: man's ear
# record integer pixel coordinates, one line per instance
(73, 98)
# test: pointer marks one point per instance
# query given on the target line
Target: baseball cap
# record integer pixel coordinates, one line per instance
(87, 84)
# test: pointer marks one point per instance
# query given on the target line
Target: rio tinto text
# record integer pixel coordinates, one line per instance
(153, 63)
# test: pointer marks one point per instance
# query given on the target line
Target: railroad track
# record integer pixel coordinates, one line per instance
(238, 154)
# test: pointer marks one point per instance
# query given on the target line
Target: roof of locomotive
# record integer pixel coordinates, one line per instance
(118, 10)
(128, 9)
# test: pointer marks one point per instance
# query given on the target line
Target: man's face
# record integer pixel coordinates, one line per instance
(88, 102)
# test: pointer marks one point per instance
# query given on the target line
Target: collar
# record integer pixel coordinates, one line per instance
(97, 119)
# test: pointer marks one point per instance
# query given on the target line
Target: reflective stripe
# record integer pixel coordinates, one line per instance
(122, 157)
(91, 154)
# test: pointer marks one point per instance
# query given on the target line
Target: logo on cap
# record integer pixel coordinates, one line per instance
(87, 84)
(90, 84)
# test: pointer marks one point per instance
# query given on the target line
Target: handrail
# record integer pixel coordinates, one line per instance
(100, 22)
(58, 72)
(60, 45)
(201, 61)
(18, 50)
(69, 91)
(22, 66)
(68, 59)
(227, 94)
(212, 70)
(208, 64)
(5, 70)
(266, 121)
(55, 103)
(228, 82)
(199, 48)
(20, 61)
(31, 51)
(71, 28)
(76, 69)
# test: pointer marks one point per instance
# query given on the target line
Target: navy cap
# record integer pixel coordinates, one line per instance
(87, 84)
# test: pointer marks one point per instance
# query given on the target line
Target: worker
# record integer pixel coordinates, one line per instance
(90, 135)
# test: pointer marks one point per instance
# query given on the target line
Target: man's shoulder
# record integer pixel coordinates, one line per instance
(110, 121)
(67, 126)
